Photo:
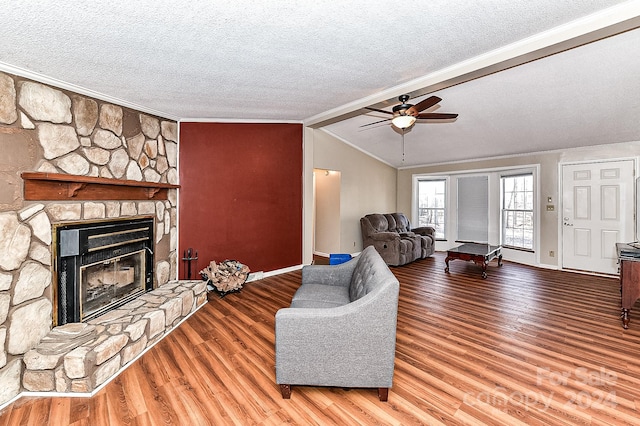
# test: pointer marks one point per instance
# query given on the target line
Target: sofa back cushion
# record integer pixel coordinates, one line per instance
(378, 222)
(402, 223)
(364, 277)
(391, 221)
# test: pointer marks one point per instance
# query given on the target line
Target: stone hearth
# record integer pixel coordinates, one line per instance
(78, 358)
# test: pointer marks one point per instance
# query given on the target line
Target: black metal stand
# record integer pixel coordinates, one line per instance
(188, 257)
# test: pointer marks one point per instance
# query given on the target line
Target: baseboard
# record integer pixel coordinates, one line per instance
(282, 271)
(254, 276)
(546, 266)
(328, 255)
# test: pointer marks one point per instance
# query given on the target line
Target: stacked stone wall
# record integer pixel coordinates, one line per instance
(46, 129)
(61, 363)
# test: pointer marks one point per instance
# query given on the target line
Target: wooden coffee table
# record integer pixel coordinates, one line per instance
(480, 254)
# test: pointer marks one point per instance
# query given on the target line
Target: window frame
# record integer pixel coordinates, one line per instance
(444, 209)
(521, 256)
(531, 211)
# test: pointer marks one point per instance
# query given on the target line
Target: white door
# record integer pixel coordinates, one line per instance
(597, 212)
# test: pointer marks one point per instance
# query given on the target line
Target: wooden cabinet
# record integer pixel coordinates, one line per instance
(629, 259)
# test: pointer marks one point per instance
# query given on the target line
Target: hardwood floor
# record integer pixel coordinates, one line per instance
(524, 346)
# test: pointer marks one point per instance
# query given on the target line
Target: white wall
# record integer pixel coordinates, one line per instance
(548, 183)
(366, 186)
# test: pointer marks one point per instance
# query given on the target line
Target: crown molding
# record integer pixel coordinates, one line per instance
(41, 78)
(239, 120)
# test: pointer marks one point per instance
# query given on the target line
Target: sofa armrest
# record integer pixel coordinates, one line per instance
(339, 275)
(351, 345)
(407, 234)
(384, 236)
(329, 274)
(425, 230)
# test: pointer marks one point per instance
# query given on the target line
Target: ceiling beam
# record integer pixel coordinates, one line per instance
(594, 27)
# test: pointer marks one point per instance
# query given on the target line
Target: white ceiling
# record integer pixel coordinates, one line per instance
(321, 62)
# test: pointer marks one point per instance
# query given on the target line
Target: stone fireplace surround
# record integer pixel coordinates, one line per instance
(110, 342)
(48, 130)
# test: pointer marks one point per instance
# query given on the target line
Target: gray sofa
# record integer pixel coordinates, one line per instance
(340, 329)
(392, 236)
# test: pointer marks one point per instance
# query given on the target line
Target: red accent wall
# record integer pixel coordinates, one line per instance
(241, 194)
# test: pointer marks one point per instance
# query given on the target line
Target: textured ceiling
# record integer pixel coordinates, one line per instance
(321, 62)
(586, 96)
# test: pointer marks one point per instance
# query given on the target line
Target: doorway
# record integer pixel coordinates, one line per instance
(327, 212)
(597, 211)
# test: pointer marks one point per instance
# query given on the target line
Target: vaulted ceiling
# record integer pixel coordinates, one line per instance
(524, 76)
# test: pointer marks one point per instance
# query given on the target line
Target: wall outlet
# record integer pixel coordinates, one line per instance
(552, 253)
(550, 207)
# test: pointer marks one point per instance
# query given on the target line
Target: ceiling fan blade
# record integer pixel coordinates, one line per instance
(376, 122)
(422, 105)
(436, 116)
(379, 110)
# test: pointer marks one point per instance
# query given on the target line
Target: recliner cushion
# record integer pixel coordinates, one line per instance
(402, 223)
(378, 222)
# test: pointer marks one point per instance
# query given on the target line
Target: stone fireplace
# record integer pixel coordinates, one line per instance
(72, 159)
(99, 266)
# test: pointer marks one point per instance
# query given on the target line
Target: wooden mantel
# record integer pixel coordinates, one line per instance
(56, 186)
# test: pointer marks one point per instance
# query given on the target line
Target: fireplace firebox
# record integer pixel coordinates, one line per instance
(100, 265)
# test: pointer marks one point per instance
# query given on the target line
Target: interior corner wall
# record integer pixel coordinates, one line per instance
(367, 185)
(241, 194)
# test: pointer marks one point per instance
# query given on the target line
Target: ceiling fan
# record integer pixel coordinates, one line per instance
(404, 115)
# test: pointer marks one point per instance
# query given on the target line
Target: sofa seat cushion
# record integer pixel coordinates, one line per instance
(320, 296)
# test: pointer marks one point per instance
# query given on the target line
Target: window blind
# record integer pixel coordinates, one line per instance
(473, 209)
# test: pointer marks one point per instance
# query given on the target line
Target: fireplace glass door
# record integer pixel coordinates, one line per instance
(109, 282)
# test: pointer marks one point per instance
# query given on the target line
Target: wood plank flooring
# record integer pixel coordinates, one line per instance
(525, 346)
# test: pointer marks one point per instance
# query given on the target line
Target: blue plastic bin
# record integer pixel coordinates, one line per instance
(336, 259)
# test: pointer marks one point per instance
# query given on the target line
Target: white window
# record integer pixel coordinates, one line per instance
(517, 211)
(432, 196)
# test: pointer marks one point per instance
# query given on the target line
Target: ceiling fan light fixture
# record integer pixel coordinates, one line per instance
(405, 115)
(403, 121)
